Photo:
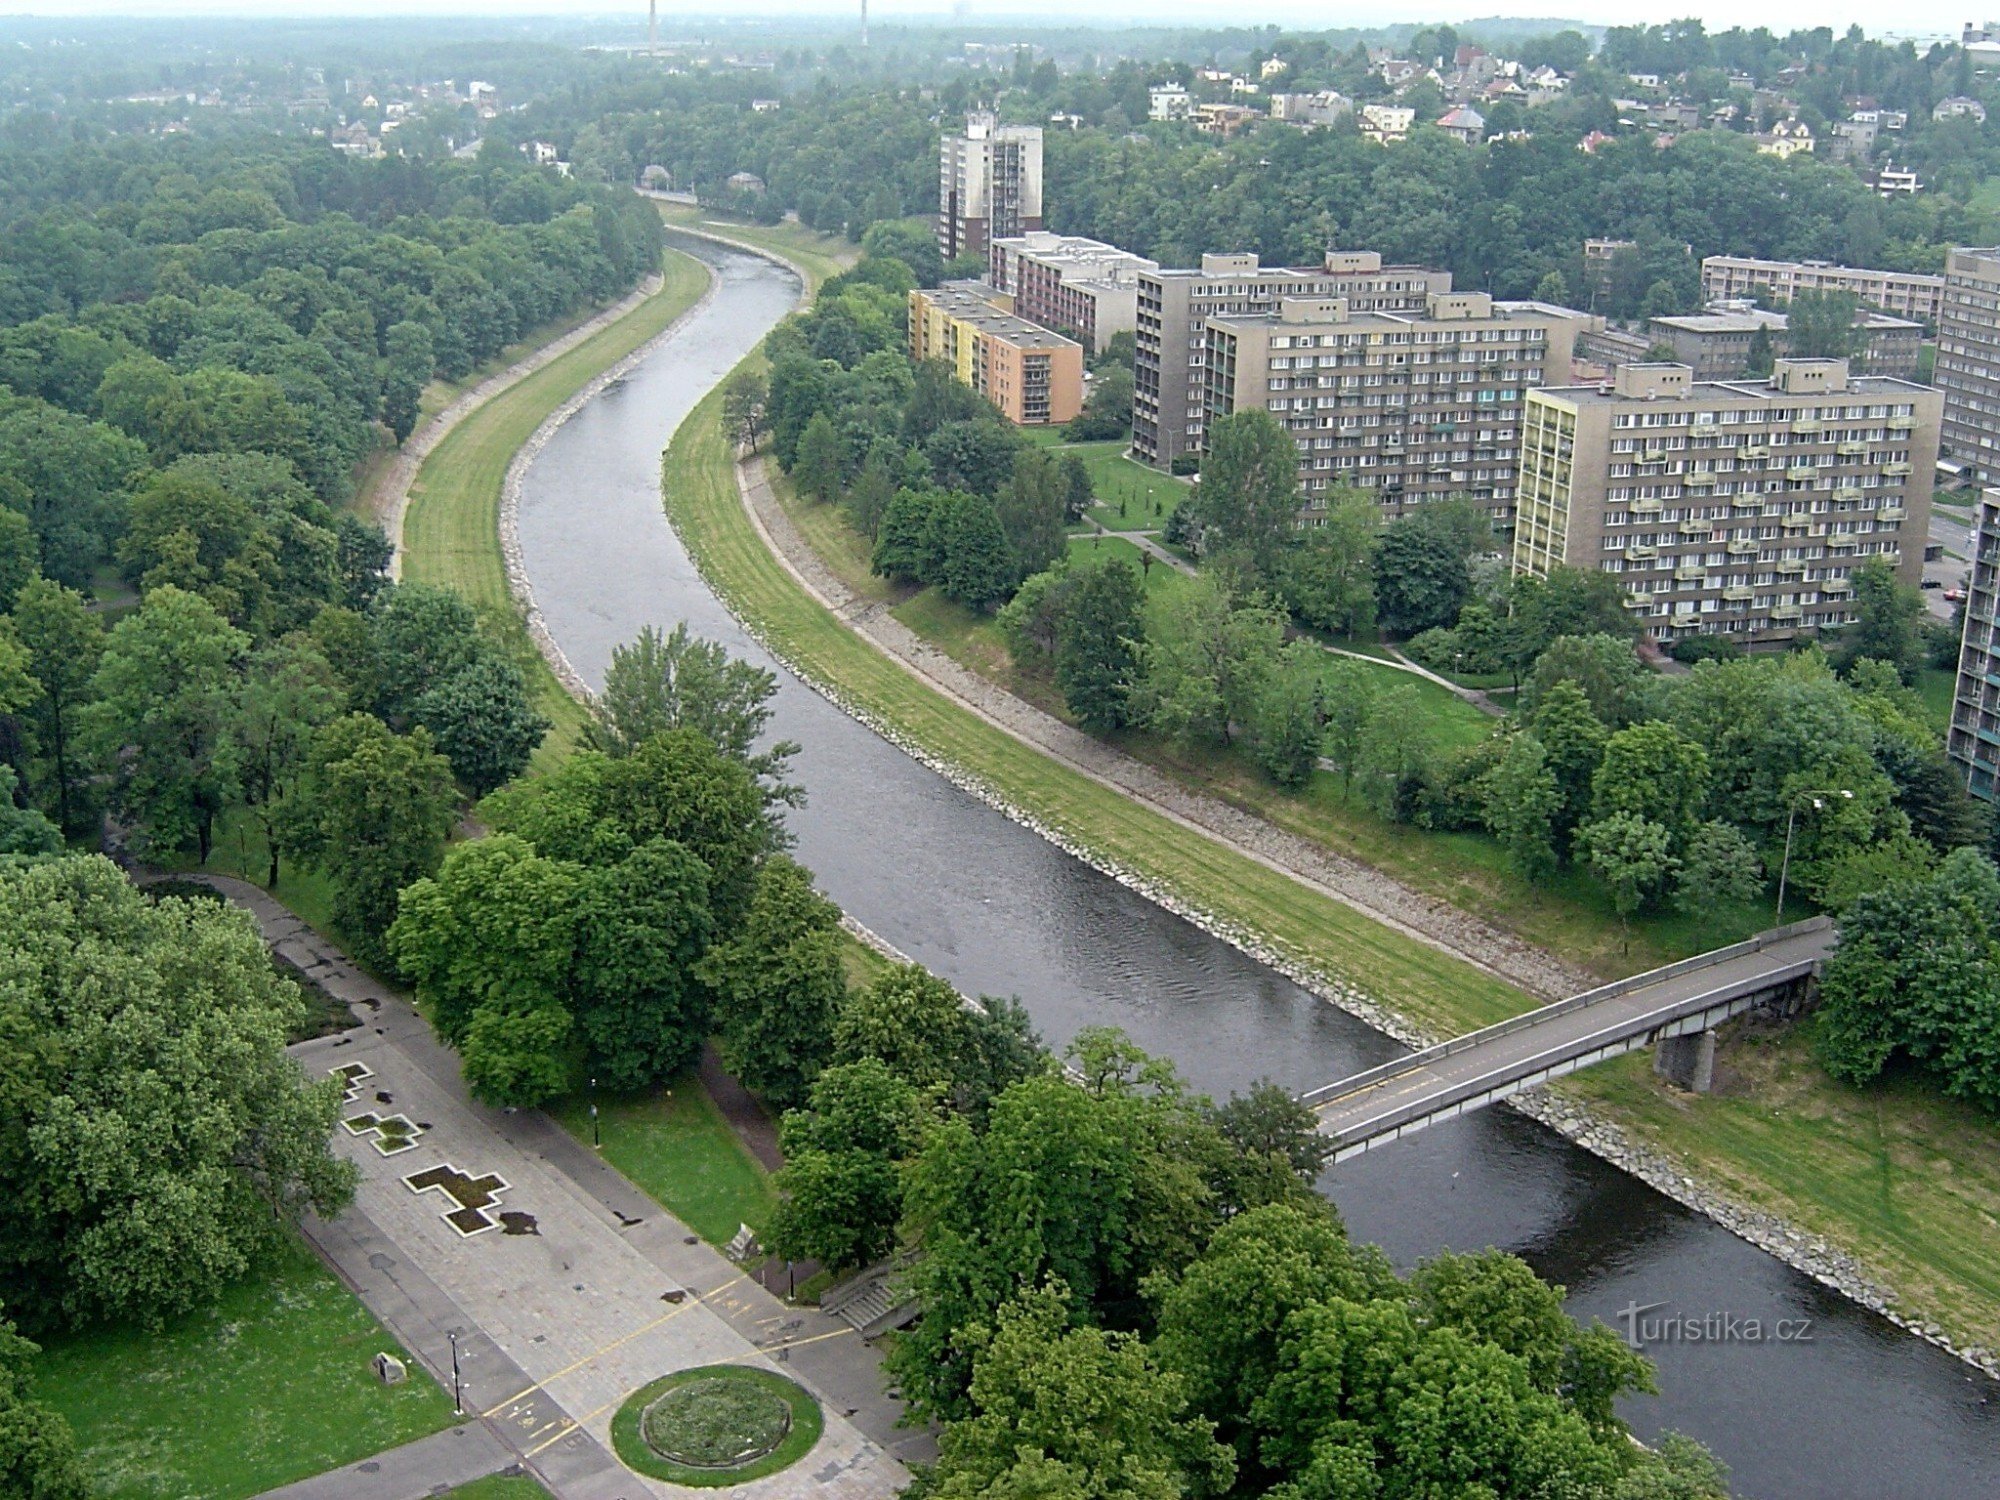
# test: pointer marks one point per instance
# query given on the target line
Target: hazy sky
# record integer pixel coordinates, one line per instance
(1921, 18)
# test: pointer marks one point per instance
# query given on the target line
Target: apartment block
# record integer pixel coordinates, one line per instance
(1170, 386)
(1077, 286)
(1900, 293)
(1034, 376)
(1717, 344)
(1738, 508)
(1968, 361)
(1974, 741)
(1412, 407)
(989, 184)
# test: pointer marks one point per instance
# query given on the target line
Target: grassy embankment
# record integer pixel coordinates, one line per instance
(268, 1386)
(1897, 1174)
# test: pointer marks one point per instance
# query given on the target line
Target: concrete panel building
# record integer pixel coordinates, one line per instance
(1737, 508)
(1974, 741)
(1074, 285)
(989, 184)
(1902, 294)
(1410, 407)
(1717, 344)
(1968, 361)
(1170, 388)
(1034, 376)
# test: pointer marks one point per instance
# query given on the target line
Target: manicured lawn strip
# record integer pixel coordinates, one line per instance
(1937, 685)
(451, 530)
(500, 1487)
(1898, 1173)
(270, 1385)
(675, 1146)
(820, 256)
(240, 849)
(807, 1423)
(1437, 990)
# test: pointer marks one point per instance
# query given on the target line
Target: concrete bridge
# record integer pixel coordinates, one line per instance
(1677, 1007)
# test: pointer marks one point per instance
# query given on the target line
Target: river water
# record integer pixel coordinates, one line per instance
(1856, 1409)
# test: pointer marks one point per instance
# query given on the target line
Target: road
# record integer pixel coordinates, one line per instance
(1509, 1054)
(1952, 530)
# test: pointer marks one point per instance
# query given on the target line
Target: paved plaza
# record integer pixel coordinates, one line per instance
(566, 1288)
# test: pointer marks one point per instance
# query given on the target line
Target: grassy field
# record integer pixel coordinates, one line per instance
(270, 1385)
(818, 255)
(500, 1487)
(240, 849)
(451, 531)
(674, 1144)
(1130, 496)
(1897, 1172)
(1936, 685)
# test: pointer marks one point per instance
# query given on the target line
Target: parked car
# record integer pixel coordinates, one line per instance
(1932, 583)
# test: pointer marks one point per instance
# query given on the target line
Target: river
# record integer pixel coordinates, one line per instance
(1858, 1408)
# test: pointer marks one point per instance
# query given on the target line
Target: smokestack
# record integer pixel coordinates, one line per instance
(864, 23)
(652, 28)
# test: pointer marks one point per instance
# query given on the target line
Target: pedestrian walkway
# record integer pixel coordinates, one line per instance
(554, 1285)
(430, 1466)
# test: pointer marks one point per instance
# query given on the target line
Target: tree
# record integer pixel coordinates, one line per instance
(482, 720)
(1204, 660)
(842, 1194)
(1328, 579)
(744, 396)
(1763, 356)
(778, 984)
(817, 468)
(903, 541)
(909, 1019)
(1719, 864)
(1523, 801)
(372, 811)
(18, 560)
(1247, 504)
(1286, 716)
(1603, 668)
(1422, 573)
(1347, 695)
(1655, 773)
(1032, 507)
(130, 1199)
(641, 1003)
(1572, 742)
(1632, 857)
(64, 643)
(1098, 634)
(38, 1457)
(1887, 614)
(406, 371)
(1047, 1397)
(1823, 325)
(680, 681)
(161, 696)
(975, 457)
(1278, 1150)
(979, 565)
(280, 702)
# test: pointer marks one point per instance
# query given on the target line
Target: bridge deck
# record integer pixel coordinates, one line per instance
(1482, 1065)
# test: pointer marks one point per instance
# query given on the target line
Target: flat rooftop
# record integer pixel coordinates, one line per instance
(969, 303)
(1883, 387)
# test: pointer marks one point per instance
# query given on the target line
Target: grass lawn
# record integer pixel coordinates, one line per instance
(241, 850)
(451, 531)
(1936, 686)
(1897, 1172)
(270, 1385)
(674, 1144)
(1089, 546)
(500, 1487)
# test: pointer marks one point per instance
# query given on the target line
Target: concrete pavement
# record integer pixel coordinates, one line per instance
(566, 1287)
(429, 1466)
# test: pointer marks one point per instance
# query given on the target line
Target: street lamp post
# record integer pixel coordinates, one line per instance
(596, 1142)
(1791, 822)
(457, 1392)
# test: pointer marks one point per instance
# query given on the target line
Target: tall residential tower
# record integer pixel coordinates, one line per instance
(989, 185)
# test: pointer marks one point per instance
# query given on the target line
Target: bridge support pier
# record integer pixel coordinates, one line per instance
(1687, 1061)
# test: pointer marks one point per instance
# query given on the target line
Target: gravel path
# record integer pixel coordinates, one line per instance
(1424, 918)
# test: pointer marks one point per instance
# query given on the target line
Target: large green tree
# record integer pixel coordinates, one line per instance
(1246, 506)
(64, 643)
(778, 983)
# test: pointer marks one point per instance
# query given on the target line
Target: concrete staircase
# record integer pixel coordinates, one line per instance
(870, 1302)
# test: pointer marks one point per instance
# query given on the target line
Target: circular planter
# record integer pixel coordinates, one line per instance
(716, 1425)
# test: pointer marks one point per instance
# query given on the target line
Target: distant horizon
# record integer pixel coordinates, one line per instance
(1926, 20)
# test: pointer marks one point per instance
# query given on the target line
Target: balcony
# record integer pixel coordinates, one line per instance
(1902, 424)
(1746, 502)
(1802, 473)
(1697, 528)
(1847, 494)
(1686, 614)
(1891, 513)
(1642, 553)
(1896, 470)
(1743, 548)
(1753, 451)
(1646, 507)
(1842, 543)
(1807, 427)
(1790, 565)
(1692, 574)
(1852, 450)
(1795, 523)
(1738, 593)
(1638, 601)
(1787, 612)
(1838, 588)
(1653, 456)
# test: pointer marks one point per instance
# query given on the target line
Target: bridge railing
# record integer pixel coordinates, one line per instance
(1520, 1071)
(1542, 1013)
